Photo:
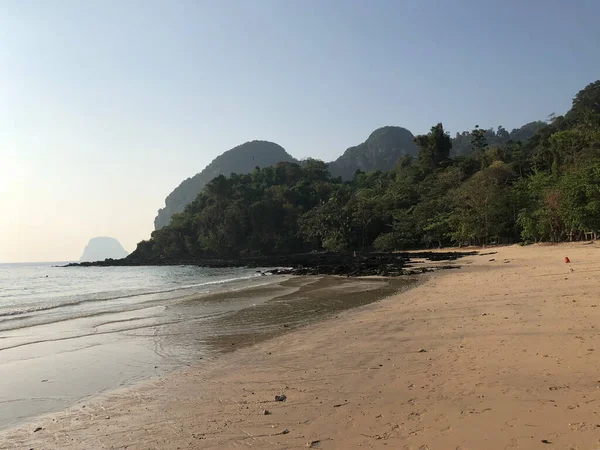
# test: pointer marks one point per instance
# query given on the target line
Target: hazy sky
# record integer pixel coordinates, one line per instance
(106, 106)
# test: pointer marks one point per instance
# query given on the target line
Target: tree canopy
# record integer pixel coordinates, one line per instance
(495, 189)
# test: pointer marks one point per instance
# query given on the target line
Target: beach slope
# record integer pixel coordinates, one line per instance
(500, 354)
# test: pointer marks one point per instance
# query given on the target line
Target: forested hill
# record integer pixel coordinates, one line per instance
(383, 148)
(379, 152)
(461, 143)
(241, 159)
(546, 189)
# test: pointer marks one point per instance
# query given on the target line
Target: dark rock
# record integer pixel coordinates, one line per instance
(280, 398)
(266, 412)
(38, 429)
(323, 263)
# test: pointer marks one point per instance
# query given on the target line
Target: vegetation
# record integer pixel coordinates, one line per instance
(499, 190)
(241, 159)
(380, 151)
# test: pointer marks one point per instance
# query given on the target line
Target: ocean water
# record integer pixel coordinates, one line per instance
(67, 334)
(34, 294)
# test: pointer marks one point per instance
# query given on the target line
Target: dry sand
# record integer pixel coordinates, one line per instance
(511, 360)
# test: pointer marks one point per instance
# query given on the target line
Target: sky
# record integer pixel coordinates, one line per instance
(107, 105)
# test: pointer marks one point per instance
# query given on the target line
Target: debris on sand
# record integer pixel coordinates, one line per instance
(340, 405)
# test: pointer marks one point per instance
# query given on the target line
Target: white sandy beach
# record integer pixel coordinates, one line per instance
(510, 360)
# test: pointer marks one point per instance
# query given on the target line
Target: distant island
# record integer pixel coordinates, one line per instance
(101, 248)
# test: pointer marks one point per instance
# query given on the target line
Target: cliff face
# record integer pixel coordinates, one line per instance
(380, 151)
(241, 159)
(100, 248)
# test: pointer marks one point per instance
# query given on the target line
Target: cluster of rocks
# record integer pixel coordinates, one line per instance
(358, 270)
(317, 263)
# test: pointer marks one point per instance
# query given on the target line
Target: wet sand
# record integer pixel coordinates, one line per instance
(500, 354)
(50, 367)
(296, 303)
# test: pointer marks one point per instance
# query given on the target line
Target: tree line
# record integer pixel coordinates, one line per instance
(499, 190)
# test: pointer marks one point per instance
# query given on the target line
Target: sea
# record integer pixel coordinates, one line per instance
(70, 334)
(67, 334)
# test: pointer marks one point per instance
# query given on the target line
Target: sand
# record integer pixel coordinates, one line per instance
(510, 360)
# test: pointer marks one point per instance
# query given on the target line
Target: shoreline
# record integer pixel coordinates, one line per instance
(499, 354)
(70, 361)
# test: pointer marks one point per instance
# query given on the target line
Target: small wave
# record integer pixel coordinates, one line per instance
(11, 313)
(96, 330)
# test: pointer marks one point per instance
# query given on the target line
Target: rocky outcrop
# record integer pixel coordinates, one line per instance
(341, 264)
(380, 151)
(384, 147)
(241, 159)
(102, 248)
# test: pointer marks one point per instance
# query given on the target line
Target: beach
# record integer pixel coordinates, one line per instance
(61, 347)
(499, 354)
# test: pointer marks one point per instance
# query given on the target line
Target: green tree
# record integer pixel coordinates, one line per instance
(478, 140)
(434, 148)
(540, 182)
(580, 200)
(481, 209)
